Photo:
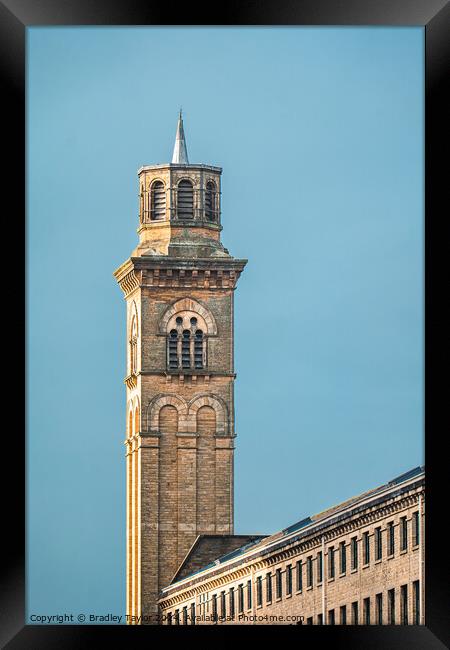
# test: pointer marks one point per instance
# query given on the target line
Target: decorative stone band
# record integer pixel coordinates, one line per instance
(163, 271)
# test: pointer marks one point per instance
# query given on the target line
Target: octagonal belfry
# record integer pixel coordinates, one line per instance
(179, 207)
(179, 286)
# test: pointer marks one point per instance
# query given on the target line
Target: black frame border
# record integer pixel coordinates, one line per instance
(434, 16)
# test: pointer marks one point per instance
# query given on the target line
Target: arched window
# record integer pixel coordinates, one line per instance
(130, 424)
(136, 420)
(210, 201)
(158, 201)
(133, 347)
(198, 349)
(185, 208)
(173, 349)
(186, 342)
(186, 349)
(141, 204)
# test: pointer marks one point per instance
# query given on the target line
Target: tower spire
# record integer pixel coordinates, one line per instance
(180, 155)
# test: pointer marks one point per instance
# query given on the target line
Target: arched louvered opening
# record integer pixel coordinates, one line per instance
(210, 200)
(186, 349)
(173, 349)
(158, 201)
(185, 209)
(198, 349)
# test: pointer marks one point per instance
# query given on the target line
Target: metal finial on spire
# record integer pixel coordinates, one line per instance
(180, 155)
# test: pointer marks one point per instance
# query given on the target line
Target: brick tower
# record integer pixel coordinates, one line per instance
(178, 286)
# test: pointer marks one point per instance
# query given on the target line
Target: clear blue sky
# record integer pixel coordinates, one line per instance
(320, 135)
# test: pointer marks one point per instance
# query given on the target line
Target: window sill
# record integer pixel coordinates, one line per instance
(309, 588)
(379, 561)
(354, 570)
(342, 575)
(331, 579)
(288, 596)
(365, 566)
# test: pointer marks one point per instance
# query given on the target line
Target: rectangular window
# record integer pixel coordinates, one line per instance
(177, 617)
(355, 613)
(232, 602)
(331, 620)
(214, 608)
(309, 620)
(343, 557)
(299, 572)
(379, 608)
(391, 606)
(259, 591)
(416, 528)
(223, 606)
(331, 567)
(416, 595)
(249, 594)
(241, 599)
(320, 619)
(378, 544)
(366, 606)
(404, 604)
(343, 615)
(169, 618)
(366, 548)
(269, 587)
(185, 616)
(403, 533)
(319, 566)
(354, 546)
(288, 580)
(391, 538)
(278, 585)
(192, 613)
(309, 571)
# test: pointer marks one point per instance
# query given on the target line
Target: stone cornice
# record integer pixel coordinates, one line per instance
(160, 271)
(178, 166)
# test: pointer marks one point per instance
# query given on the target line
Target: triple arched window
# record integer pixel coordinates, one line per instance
(157, 201)
(186, 343)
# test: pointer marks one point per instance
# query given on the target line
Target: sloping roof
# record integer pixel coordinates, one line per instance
(207, 548)
(258, 543)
